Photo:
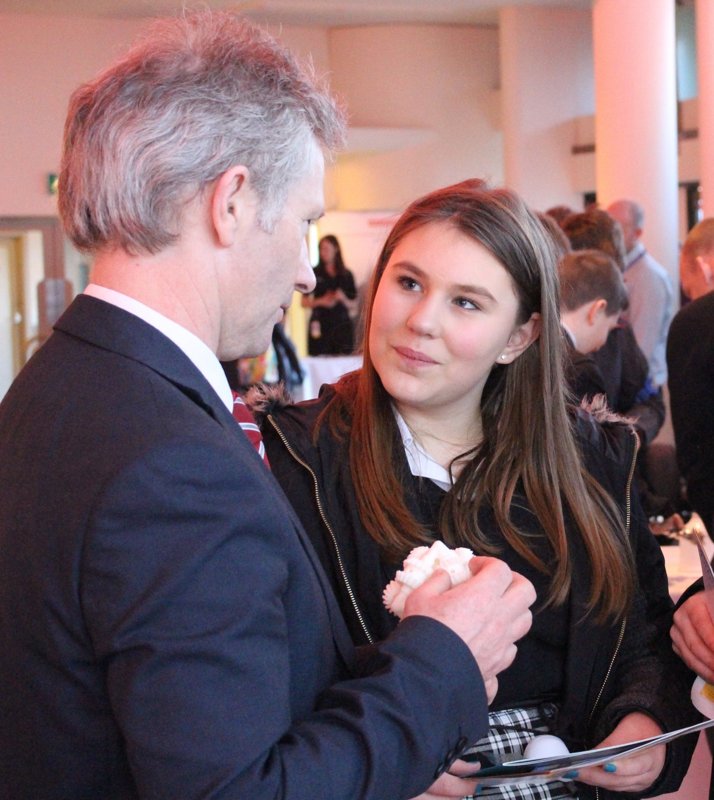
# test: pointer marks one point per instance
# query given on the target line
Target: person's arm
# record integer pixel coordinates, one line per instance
(634, 369)
(648, 413)
(341, 297)
(320, 297)
(347, 292)
(327, 300)
(693, 634)
(196, 592)
(652, 684)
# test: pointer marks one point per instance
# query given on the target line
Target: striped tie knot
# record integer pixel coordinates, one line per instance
(243, 416)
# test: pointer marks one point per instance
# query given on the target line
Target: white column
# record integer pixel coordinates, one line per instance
(705, 80)
(546, 83)
(636, 115)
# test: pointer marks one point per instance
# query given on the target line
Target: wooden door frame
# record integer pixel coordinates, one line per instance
(19, 342)
(52, 239)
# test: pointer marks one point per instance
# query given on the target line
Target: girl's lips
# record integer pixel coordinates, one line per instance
(414, 356)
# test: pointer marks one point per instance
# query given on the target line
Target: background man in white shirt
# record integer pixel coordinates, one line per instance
(651, 295)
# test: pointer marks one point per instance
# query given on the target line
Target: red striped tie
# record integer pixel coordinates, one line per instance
(242, 415)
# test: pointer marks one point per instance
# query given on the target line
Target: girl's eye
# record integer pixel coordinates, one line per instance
(464, 302)
(407, 283)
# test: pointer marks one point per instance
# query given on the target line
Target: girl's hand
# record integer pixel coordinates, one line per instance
(633, 774)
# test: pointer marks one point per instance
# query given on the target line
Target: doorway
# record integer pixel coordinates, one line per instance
(12, 329)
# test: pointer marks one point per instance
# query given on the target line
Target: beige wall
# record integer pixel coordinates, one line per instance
(42, 60)
(434, 85)
(546, 61)
(424, 103)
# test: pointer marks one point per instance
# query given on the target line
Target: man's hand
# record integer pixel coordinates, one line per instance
(693, 636)
(633, 774)
(490, 612)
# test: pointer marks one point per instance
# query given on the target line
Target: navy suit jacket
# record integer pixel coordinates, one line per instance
(166, 630)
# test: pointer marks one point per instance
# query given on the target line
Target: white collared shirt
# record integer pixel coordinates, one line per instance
(203, 358)
(634, 255)
(569, 334)
(420, 462)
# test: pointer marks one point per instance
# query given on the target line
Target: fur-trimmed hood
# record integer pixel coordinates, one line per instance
(263, 399)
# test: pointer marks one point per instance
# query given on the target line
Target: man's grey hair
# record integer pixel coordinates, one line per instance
(197, 95)
(635, 212)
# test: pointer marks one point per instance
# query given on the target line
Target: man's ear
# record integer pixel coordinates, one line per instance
(704, 265)
(230, 203)
(521, 339)
(596, 308)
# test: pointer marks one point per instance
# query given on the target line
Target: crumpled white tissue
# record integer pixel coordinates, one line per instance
(419, 565)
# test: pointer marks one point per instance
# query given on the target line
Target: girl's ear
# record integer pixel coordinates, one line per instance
(521, 339)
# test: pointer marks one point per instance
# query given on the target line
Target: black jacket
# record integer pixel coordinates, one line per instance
(610, 671)
(690, 363)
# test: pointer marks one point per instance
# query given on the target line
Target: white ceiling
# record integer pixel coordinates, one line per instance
(296, 12)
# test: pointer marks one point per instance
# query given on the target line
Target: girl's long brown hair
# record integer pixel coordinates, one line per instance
(528, 441)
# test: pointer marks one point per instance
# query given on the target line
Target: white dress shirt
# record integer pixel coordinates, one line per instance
(420, 462)
(196, 351)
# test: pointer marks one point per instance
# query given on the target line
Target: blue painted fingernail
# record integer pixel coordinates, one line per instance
(610, 767)
(569, 776)
(477, 790)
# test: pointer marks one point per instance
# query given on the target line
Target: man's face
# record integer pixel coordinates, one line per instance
(622, 214)
(257, 288)
(687, 276)
(695, 274)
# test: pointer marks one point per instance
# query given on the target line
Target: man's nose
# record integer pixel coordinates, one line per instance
(305, 280)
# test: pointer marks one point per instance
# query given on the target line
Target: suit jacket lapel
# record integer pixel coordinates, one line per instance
(111, 328)
(104, 325)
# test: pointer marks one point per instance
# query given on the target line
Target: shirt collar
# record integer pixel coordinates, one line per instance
(635, 254)
(197, 351)
(420, 462)
(569, 334)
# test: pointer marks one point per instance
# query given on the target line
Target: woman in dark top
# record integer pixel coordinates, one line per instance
(331, 329)
(456, 428)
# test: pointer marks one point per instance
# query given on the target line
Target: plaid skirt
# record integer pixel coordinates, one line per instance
(509, 731)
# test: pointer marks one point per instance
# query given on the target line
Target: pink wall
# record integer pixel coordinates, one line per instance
(436, 83)
(42, 60)
(546, 62)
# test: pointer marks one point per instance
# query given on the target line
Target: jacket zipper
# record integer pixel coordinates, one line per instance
(628, 518)
(327, 525)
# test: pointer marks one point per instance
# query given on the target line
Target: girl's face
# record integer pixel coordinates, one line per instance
(328, 251)
(444, 314)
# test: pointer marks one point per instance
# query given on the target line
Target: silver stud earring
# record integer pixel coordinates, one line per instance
(502, 357)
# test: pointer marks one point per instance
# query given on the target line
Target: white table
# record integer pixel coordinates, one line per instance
(324, 369)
